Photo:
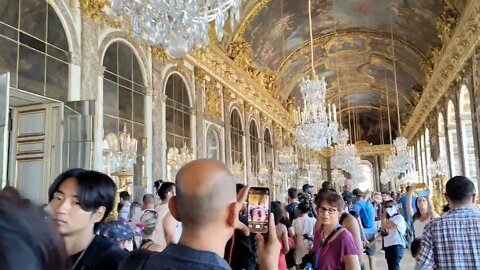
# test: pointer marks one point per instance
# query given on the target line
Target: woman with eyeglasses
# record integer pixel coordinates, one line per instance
(334, 246)
(393, 231)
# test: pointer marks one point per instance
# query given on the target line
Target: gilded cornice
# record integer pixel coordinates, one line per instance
(249, 18)
(460, 48)
(223, 69)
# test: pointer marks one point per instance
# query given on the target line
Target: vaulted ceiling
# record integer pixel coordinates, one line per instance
(353, 50)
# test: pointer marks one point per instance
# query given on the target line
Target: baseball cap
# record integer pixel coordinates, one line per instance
(357, 192)
(307, 186)
(118, 231)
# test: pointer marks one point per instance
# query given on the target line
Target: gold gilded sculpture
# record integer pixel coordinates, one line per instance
(213, 100)
(438, 190)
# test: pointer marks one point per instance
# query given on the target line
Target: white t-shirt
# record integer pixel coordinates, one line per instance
(419, 227)
(394, 238)
(162, 211)
(302, 225)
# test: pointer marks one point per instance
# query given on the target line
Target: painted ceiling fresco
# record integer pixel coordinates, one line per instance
(353, 50)
(412, 21)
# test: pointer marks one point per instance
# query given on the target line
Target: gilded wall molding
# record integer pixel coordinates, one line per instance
(213, 100)
(364, 149)
(452, 61)
(238, 84)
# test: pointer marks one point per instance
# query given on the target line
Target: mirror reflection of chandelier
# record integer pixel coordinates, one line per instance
(287, 160)
(177, 25)
(438, 168)
(177, 158)
(314, 168)
(263, 175)
(127, 156)
(338, 177)
(237, 172)
(314, 128)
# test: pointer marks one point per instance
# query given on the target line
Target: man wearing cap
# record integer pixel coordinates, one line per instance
(367, 215)
(307, 197)
(120, 232)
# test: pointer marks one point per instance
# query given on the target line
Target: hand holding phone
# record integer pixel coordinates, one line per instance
(258, 209)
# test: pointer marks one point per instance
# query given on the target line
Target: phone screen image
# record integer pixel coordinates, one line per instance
(258, 210)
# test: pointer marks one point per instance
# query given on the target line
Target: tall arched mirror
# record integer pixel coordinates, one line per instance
(267, 149)
(178, 113)
(453, 140)
(123, 98)
(213, 144)
(236, 139)
(254, 149)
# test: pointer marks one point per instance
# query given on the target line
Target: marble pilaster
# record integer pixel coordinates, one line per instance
(199, 109)
(91, 66)
(158, 119)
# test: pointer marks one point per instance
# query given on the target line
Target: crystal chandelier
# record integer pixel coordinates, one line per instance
(314, 168)
(437, 168)
(398, 164)
(237, 172)
(263, 175)
(345, 155)
(287, 160)
(338, 177)
(314, 128)
(177, 25)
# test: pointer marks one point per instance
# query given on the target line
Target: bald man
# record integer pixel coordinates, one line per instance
(207, 205)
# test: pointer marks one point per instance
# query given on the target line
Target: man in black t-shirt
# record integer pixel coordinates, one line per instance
(292, 203)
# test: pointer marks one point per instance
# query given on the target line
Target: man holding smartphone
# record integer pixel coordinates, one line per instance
(208, 208)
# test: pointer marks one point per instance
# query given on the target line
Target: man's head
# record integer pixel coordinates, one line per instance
(307, 189)
(124, 197)
(166, 191)
(327, 185)
(357, 194)
(148, 202)
(348, 185)
(460, 191)
(292, 193)
(80, 199)
(206, 199)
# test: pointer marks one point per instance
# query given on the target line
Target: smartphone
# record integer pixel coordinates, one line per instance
(258, 209)
(423, 193)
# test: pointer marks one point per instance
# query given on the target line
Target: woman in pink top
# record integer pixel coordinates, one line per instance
(333, 245)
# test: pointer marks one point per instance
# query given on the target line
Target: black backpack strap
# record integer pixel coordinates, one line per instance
(135, 260)
(343, 217)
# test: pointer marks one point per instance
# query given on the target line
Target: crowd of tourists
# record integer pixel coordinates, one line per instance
(201, 222)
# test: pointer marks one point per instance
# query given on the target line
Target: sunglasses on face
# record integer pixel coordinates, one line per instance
(323, 210)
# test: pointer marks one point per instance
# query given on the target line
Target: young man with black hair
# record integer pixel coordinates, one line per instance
(79, 201)
(125, 203)
(453, 240)
(168, 228)
(292, 203)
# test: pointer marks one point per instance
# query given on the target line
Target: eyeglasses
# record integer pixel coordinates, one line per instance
(323, 210)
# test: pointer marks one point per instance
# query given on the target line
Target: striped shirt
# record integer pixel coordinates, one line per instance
(452, 241)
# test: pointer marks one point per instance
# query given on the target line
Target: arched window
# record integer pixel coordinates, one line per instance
(366, 182)
(123, 97)
(441, 136)
(427, 154)
(268, 149)
(213, 144)
(424, 159)
(467, 135)
(418, 148)
(177, 113)
(34, 48)
(453, 140)
(254, 149)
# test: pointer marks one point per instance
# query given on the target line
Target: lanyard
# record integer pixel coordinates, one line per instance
(322, 243)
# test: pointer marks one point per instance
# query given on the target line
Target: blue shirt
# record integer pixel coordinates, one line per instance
(181, 257)
(403, 202)
(367, 215)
